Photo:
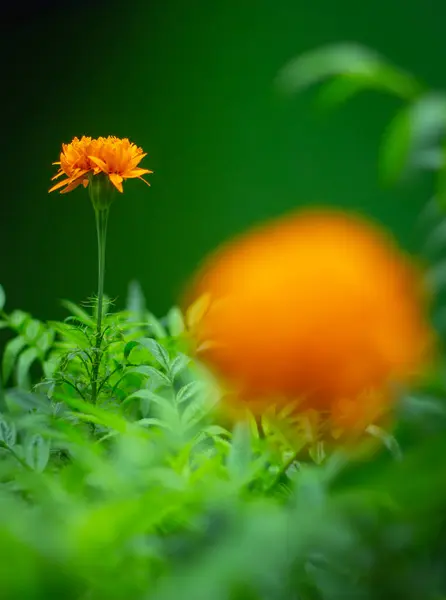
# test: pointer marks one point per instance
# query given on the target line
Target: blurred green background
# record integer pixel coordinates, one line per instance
(193, 84)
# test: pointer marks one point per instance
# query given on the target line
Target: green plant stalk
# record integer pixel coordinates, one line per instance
(101, 229)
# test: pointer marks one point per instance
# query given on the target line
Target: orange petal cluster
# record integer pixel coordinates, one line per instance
(318, 306)
(115, 157)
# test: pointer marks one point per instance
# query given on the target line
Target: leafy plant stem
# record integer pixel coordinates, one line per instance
(101, 228)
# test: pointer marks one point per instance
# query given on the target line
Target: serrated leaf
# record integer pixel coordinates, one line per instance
(240, 455)
(178, 365)
(195, 412)
(37, 452)
(175, 322)
(24, 362)
(71, 334)
(10, 354)
(146, 395)
(188, 391)
(412, 135)
(104, 417)
(214, 430)
(351, 61)
(2, 297)
(8, 433)
(156, 350)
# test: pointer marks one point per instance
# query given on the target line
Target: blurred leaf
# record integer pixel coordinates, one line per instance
(188, 391)
(317, 452)
(2, 298)
(18, 318)
(37, 452)
(415, 132)
(175, 321)
(351, 61)
(10, 353)
(28, 401)
(240, 455)
(387, 439)
(105, 417)
(79, 313)
(155, 326)
(136, 302)
(197, 310)
(24, 362)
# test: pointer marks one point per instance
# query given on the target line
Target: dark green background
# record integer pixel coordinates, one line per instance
(192, 83)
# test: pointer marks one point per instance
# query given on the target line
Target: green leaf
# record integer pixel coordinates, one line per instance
(71, 334)
(178, 365)
(45, 341)
(24, 362)
(37, 452)
(175, 322)
(32, 330)
(8, 433)
(146, 395)
(2, 297)
(351, 61)
(129, 347)
(136, 302)
(18, 318)
(317, 452)
(155, 326)
(105, 417)
(337, 91)
(412, 135)
(28, 401)
(79, 313)
(240, 455)
(189, 391)
(156, 350)
(152, 422)
(10, 354)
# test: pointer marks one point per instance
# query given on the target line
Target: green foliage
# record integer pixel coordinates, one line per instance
(119, 477)
(146, 495)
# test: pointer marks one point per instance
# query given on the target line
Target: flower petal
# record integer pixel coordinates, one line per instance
(137, 172)
(116, 181)
(73, 185)
(59, 185)
(99, 163)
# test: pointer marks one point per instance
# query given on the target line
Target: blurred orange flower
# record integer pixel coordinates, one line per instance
(319, 306)
(82, 158)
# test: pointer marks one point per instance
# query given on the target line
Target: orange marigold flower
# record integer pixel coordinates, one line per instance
(82, 158)
(319, 306)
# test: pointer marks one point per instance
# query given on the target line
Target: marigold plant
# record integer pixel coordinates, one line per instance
(318, 306)
(83, 158)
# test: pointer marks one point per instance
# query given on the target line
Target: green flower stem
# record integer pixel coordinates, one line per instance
(101, 228)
